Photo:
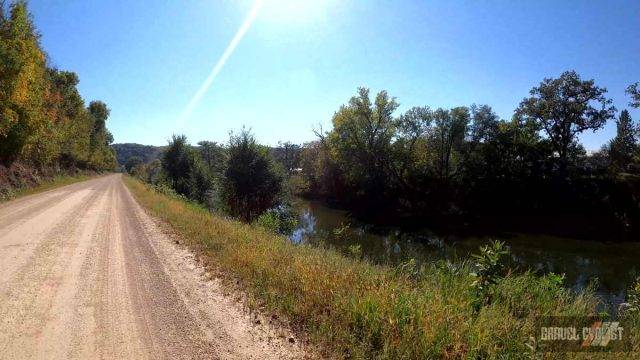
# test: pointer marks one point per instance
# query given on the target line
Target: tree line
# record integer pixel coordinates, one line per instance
(465, 165)
(44, 122)
(239, 179)
(461, 168)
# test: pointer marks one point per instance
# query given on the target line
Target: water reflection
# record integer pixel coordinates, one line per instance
(613, 265)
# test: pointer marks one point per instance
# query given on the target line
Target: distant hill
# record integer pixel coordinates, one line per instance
(147, 153)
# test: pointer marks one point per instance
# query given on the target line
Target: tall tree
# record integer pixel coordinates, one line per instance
(251, 183)
(22, 83)
(624, 146)
(102, 156)
(361, 141)
(176, 163)
(408, 167)
(565, 107)
(73, 122)
(484, 123)
(450, 127)
(186, 172)
(213, 155)
(100, 113)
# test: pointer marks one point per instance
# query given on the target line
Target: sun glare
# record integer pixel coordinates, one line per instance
(293, 10)
(289, 11)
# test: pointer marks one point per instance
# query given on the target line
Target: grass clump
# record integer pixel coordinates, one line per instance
(358, 310)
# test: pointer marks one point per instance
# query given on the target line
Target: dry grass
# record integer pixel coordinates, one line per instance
(357, 310)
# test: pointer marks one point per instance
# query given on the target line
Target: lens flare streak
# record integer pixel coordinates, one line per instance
(197, 97)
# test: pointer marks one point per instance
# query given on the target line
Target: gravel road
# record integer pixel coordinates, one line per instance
(85, 273)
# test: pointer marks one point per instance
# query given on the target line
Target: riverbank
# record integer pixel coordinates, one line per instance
(354, 309)
(614, 264)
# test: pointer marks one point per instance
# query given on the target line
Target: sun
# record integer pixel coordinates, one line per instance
(293, 10)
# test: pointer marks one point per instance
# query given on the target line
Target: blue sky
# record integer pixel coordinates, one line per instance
(298, 64)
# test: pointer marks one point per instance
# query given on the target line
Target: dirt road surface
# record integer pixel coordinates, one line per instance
(86, 274)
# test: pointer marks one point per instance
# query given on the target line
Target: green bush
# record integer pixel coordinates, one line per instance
(490, 268)
(279, 220)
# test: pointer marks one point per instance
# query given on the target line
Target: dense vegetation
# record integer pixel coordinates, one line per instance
(146, 153)
(476, 309)
(467, 166)
(44, 122)
(461, 168)
(239, 179)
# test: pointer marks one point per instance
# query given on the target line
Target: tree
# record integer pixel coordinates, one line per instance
(361, 142)
(251, 183)
(565, 107)
(624, 146)
(102, 156)
(186, 172)
(484, 123)
(288, 154)
(132, 162)
(22, 83)
(43, 120)
(176, 163)
(213, 155)
(74, 124)
(448, 135)
(634, 91)
(408, 168)
(100, 113)
(320, 171)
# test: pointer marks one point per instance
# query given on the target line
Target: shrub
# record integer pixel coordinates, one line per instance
(490, 268)
(251, 183)
(280, 220)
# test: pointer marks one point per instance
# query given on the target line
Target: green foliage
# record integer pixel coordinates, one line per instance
(22, 84)
(358, 310)
(447, 137)
(466, 166)
(342, 231)
(360, 141)
(147, 153)
(185, 171)
(320, 172)
(565, 107)
(624, 146)
(133, 162)
(489, 268)
(214, 156)
(633, 297)
(251, 183)
(355, 251)
(280, 220)
(43, 120)
(288, 155)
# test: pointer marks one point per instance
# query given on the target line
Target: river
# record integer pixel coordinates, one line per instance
(615, 265)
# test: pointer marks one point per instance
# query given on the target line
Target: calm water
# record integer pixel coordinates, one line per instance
(614, 265)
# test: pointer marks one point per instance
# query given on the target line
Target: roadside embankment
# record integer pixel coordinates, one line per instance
(20, 179)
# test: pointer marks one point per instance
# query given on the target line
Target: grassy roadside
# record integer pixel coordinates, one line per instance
(55, 182)
(357, 310)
